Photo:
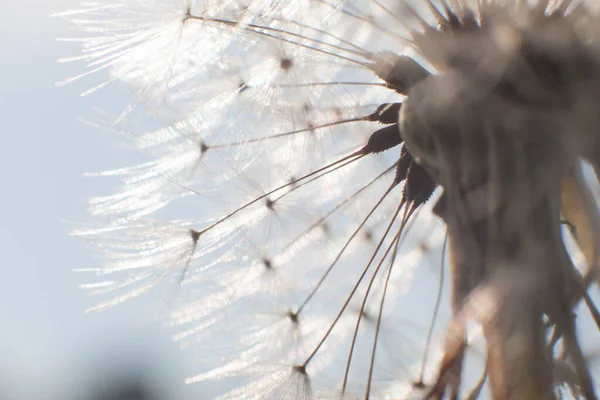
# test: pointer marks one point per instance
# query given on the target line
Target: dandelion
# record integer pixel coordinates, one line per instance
(317, 161)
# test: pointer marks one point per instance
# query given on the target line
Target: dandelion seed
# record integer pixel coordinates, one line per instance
(319, 153)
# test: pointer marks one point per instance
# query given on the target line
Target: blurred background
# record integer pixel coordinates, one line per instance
(49, 347)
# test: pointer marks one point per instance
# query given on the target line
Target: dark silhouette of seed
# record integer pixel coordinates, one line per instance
(404, 163)
(383, 139)
(387, 113)
(419, 185)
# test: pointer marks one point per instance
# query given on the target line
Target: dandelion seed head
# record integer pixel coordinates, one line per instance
(292, 197)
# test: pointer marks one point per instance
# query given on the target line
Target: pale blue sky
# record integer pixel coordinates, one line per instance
(50, 348)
